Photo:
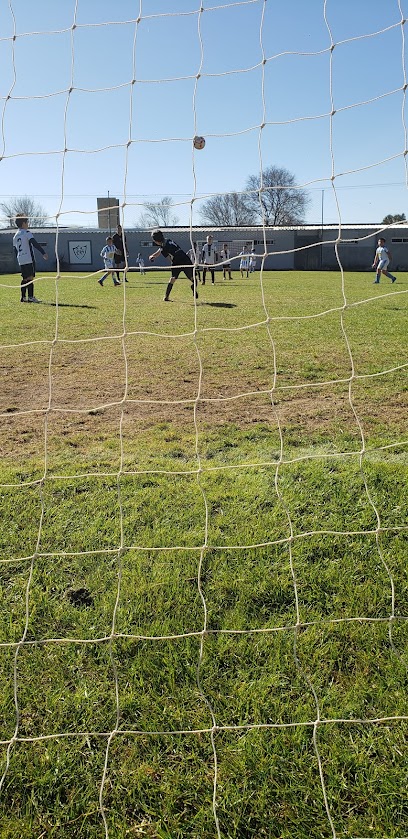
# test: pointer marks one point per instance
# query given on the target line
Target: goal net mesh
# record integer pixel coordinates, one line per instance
(246, 677)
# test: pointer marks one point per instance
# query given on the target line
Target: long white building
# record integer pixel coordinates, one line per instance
(307, 247)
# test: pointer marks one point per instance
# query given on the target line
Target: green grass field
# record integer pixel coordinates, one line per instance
(203, 567)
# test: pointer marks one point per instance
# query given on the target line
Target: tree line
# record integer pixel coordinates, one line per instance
(272, 198)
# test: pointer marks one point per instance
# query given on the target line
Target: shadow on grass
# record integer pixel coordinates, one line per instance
(219, 305)
(69, 305)
(216, 305)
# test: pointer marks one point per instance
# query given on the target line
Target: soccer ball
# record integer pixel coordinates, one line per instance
(198, 142)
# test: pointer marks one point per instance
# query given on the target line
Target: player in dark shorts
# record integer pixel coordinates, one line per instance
(179, 259)
(119, 240)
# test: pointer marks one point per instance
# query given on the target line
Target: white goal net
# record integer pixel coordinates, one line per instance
(204, 509)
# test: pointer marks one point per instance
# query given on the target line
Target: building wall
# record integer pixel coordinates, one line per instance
(288, 248)
(138, 241)
(7, 258)
(356, 249)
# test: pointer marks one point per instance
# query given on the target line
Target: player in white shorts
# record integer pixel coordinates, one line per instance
(382, 261)
(108, 255)
(140, 263)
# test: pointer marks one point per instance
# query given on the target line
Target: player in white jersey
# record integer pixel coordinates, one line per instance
(209, 258)
(382, 261)
(23, 244)
(140, 262)
(108, 255)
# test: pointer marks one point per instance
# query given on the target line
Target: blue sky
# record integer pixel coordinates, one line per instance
(136, 102)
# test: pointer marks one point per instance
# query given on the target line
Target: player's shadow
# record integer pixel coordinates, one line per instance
(219, 305)
(69, 305)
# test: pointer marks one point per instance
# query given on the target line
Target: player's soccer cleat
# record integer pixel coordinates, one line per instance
(23, 300)
(100, 283)
(166, 299)
(33, 300)
(376, 281)
(116, 283)
(393, 280)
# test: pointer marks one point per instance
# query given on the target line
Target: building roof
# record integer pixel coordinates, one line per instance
(82, 231)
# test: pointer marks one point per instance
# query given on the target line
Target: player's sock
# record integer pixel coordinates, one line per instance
(168, 290)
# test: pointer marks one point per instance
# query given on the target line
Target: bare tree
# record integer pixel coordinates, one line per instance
(393, 219)
(230, 209)
(23, 206)
(274, 199)
(158, 214)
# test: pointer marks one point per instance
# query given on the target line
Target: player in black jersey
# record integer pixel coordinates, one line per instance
(179, 260)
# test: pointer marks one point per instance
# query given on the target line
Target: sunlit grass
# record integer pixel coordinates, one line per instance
(204, 521)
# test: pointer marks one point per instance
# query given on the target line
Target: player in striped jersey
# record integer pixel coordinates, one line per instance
(244, 261)
(108, 254)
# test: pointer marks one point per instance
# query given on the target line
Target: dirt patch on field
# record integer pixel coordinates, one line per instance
(85, 397)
